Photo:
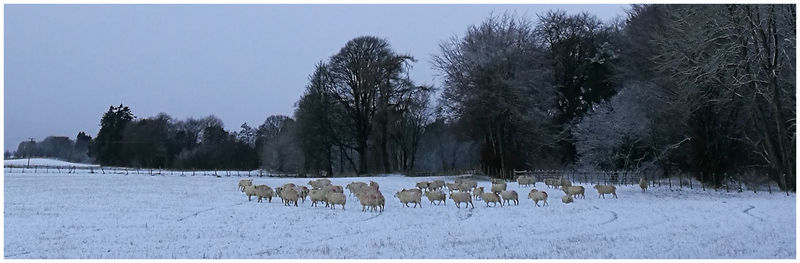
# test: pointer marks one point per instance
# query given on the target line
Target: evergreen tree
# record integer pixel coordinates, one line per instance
(107, 147)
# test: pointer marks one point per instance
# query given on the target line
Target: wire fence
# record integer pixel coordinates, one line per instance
(747, 182)
(53, 169)
(728, 182)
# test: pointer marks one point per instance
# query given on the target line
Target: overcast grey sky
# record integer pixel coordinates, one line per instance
(66, 64)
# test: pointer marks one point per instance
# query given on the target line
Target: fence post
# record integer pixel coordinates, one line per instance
(786, 184)
(669, 180)
(714, 180)
(769, 185)
(741, 189)
(702, 181)
(727, 184)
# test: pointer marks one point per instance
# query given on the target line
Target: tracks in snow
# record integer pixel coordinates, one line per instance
(747, 212)
(612, 213)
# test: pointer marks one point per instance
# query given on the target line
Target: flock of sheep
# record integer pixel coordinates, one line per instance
(461, 191)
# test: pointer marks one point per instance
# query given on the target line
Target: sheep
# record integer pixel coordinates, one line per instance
(436, 196)
(355, 187)
(643, 184)
(375, 184)
(367, 201)
(470, 183)
(303, 191)
(453, 187)
(574, 191)
(263, 191)
(319, 183)
(565, 182)
(287, 186)
(410, 196)
(289, 195)
(249, 190)
(526, 181)
(477, 193)
(462, 198)
(497, 181)
(278, 191)
(336, 198)
(245, 182)
(535, 195)
(498, 187)
(333, 188)
(317, 195)
(566, 199)
(438, 184)
(423, 185)
(372, 199)
(510, 195)
(551, 182)
(491, 198)
(602, 190)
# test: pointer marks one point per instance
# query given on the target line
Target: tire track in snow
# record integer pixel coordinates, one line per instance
(612, 219)
(203, 211)
(747, 212)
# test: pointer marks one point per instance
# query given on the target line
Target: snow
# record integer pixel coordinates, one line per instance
(141, 216)
(45, 162)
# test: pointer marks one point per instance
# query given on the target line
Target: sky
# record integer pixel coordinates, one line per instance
(66, 64)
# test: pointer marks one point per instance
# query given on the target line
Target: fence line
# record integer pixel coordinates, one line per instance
(136, 171)
(728, 183)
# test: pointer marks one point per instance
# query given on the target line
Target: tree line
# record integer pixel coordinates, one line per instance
(699, 89)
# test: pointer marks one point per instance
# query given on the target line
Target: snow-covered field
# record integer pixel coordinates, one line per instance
(140, 216)
(45, 162)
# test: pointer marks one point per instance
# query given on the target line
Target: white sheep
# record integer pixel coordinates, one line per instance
(471, 183)
(317, 195)
(436, 196)
(375, 184)
(423, 185)
(643, 184)
(371, 199)
(249, 190)
(289, 195)
(244, 182)
(550, 182)
(574, 191)
(478, 192)
(526, 181)
(437, 184)
(566, 199)
(461, 197)
(355, 187)
(336, 198)
(602, 190)
(303, 192)
(491, 198)
(565, 182)
(498, 187)
(536, 196)
(453, 187)
(510, 195)
(410, 196)
(278, 191)
(319, 183)
(263, 191)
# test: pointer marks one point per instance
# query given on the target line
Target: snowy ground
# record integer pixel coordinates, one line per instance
(140, 216)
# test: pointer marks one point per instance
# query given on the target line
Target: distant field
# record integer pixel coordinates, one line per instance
(141, 216)
(44, 162)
